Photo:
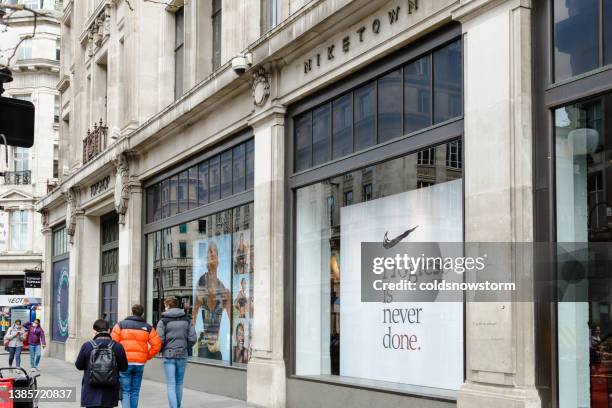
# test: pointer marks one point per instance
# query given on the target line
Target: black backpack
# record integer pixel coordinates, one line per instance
(102, 369)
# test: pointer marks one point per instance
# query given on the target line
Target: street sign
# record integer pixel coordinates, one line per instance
(33, 280)
(17, 121)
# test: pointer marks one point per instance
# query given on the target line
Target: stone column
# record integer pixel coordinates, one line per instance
(73, 343)
(266, 370)
(47, 281)
(500, 355)
(130, 252)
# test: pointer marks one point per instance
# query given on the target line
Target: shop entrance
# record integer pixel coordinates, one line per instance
(109, 266)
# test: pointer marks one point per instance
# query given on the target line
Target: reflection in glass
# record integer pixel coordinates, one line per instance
(365, 115)
(584, 215)
(174, 195)
(447, 82)
(417, 91)
(250, 164)
(390, 106)
(206, 264)
(321, 127)
(203, 183)
(342, 138)
(337, 334)
(214, 191)
(303, 141)
(165, 193)
(193, 187)
(183, 191)
(226, 174)
(238, 168)
(576, 37)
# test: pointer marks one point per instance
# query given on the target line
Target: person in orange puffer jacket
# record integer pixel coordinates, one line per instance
(141, 343)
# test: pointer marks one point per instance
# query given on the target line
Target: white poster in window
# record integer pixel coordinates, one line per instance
(3, 231)
(424, 345)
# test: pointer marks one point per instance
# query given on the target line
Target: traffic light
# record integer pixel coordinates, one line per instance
(16, 117)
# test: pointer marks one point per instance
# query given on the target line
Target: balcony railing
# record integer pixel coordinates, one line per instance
(18, 177)
(95, 142)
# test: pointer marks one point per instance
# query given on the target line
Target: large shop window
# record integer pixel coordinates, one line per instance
(61, 280)
(582, 35)
(583, 145)
(424, 92)
(338, 336)
(200, 247)
(208, 265)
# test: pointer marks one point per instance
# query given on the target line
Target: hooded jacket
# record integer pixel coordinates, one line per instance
(176, 333)
(138, 338)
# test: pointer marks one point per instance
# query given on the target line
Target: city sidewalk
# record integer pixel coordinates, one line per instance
(58, 373)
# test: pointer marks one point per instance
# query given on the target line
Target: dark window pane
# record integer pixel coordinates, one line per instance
(183, 249)
(342, 136)
(215, 179)
(576, 37)
(321, 127)
(365, 112)
(203, 183)
(607, 19)
(156, 201)
(193, 187)
(417, 95)
(238, 165)
(447, 82)
(390, 106)
(150, 204)
(250, 163)
(303, 141)
(165, 198)
(173, 195)
(226, 174)
(182, 191)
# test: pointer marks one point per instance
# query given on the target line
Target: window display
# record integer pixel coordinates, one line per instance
(339, 336)
(207, 264)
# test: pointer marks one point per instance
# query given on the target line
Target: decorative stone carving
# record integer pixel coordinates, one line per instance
(71, 212)
(44, 219)
(99, 30)
(122, 186)
(261, 87)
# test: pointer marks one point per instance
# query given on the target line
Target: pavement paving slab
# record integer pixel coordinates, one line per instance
(58, 373)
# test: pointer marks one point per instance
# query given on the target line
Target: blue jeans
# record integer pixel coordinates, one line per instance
(15, 353)
(34, 350)
(130, 385)
(174, 369)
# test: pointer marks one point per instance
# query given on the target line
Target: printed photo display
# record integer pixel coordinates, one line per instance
(222, 307)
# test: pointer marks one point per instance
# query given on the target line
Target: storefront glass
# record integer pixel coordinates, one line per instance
(61, 280)
(583, 143)
(337, 336)
(208, 265)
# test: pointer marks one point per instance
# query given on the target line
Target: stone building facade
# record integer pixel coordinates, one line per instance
(231, 153)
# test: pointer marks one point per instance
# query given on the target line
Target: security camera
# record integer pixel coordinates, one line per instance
(242, 62)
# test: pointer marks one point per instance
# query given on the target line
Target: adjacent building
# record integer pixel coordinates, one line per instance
(236, 154)
(29, 173)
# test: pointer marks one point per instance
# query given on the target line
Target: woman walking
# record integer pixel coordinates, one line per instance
(14, 342)
(36, 340)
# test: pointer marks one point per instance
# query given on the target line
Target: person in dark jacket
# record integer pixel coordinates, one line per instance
(100, 397)
(36, 340)
(178, 336)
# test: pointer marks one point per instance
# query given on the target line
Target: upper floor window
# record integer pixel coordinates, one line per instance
(179, 51)
(582, 36)
(269, 14)
(21, 159)
(56, 109)
(58, 47)
(394, 104)
(25, 50)
(216, 24)
(19, 230)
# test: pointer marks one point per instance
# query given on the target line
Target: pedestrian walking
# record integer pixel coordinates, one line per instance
(141, 343)
(101, 360)
(178, 336)
(36, 341)
(13, 339)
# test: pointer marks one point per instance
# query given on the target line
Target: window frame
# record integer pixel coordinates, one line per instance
(429, 137)
(22, 226)
(179, 48)
(106, 247)
(217, 39)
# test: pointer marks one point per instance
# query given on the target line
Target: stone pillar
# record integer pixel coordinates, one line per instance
(500, 355)
(266, 370)
(130, 253)
(73, 343)
(47, 281)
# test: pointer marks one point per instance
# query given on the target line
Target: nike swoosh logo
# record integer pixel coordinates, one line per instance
(390, 243)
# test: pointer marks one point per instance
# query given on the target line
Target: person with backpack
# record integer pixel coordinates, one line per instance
(141, 343)
(178, 337)
(101, 360)
(36, 341)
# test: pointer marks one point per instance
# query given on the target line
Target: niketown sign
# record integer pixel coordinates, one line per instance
(364, 33)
